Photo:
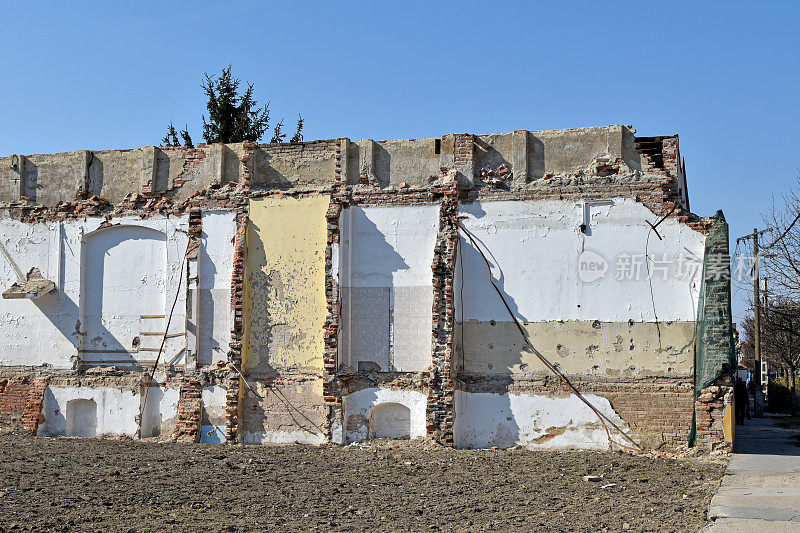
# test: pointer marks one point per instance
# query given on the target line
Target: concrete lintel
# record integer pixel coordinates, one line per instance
(30, 289)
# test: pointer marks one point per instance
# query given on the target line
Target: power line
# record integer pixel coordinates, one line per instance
(784, 232)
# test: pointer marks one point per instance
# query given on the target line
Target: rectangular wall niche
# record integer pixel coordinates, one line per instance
(387, 287)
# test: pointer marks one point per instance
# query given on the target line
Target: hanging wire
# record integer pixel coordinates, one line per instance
(166, 330)
(603, 419)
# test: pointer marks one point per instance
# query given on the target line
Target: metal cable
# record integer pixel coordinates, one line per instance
(603, 419)
(166, 331)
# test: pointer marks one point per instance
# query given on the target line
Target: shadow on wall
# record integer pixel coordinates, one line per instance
(488, 156)
(259, 284)
(389, 421)
(81, 418)
(123, 270)
(204, 324)
(30, 184)
(55, 421)
(265, 174)
(383, 165)
(151, 417)
(366, 278)
(96, 175)
(63, 312)
(507, 431)
(536, 157)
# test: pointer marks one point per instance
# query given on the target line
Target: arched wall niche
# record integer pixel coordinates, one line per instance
(124, 271)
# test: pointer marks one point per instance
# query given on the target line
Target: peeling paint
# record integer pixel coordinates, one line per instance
(505, 420)
(578, 347)
(285, 304)
(534, 248)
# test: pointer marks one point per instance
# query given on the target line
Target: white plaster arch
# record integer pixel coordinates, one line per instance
(81, 418)
(124, 276)
(390, 420)
(129, 273)
(360, 405)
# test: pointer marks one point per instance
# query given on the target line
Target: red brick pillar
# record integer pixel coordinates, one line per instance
(710, 411)
(232, 412)
(31, 416)
(441, 389)
(190, 412)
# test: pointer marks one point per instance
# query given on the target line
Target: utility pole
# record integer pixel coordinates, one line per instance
(759, 389)
(765, 382)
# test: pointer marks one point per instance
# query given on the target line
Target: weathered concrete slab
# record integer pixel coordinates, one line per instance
(760, 490)
(748, 525)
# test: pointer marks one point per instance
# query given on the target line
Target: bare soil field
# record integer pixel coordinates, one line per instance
(120, 485)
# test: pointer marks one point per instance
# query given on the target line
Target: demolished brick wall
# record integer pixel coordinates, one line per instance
(179, 181)
(441, 395)
(190, 411)
(21, 398)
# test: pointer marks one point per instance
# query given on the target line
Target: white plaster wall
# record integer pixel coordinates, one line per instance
(389, 421)
(161, 411)
(282, 437)
(392, 248)
(117, 410)
(534, 248)
(49, 330)
(388, 246)
(138, 277)
(124, 281)
(214, 285)
(505, 420)
(357, 407)
(41, 331)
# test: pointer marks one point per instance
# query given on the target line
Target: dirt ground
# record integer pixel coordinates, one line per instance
(78, 484)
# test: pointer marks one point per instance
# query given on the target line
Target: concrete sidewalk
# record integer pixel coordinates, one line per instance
(761, 488)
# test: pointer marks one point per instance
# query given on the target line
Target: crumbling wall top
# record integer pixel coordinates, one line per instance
(516, 161)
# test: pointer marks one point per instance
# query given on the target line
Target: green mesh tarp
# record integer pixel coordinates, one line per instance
(715, 353)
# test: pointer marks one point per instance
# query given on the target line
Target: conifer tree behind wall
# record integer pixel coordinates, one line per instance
(233, 116)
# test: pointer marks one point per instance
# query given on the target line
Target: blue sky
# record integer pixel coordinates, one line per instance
(723, 75)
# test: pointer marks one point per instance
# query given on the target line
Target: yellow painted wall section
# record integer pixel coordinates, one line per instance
(285, 304)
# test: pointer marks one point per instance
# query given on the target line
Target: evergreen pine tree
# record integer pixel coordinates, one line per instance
(232, 117)
(171, 137)
(298, 135)
(278, 136)
(187, 139)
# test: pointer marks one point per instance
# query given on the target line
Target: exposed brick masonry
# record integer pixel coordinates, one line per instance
(190, 411)
(21, 398)
(441, 393)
